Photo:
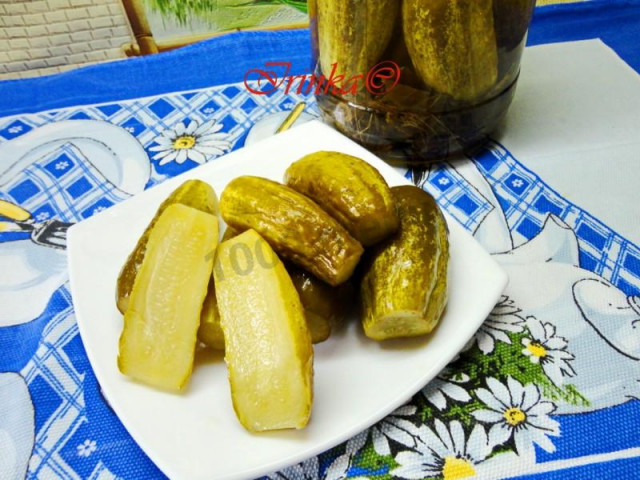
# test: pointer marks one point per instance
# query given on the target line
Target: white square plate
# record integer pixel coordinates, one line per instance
(195, 435)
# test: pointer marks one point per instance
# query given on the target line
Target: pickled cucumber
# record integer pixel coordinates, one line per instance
(267, 343)
(452, 44)
(158, 340)
(193, 193)
(295, 227)
(324, 306)
(404, 285)
(350, 190)
(210, 331)
(352, 34)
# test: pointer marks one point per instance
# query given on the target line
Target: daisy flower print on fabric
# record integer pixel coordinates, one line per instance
(517, 411)
(196, 142)
(549, 350)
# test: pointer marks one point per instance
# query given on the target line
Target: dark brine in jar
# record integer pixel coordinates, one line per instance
(457, 65)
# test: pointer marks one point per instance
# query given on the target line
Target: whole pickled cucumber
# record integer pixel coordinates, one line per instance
(404, 286)
(324, 306)
(452, 44)
(295, 227)
(353, 33)
(210, 331)
(350, 190)
(192, 193)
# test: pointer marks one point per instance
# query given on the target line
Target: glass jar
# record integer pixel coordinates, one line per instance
(417, 80)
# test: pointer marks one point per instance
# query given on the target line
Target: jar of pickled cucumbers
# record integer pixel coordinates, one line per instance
(417, 80)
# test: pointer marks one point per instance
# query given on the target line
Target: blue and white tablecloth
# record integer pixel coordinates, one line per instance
(548, 387)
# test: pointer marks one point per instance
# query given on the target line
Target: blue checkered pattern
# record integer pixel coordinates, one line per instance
(77, 435)
(454, 194)
(146, 118)
(527, 200)
(64, 185)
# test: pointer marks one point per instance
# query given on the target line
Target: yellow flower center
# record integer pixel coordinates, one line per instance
(514, 416)
(184, 142)
(537, 350)
(455, 468)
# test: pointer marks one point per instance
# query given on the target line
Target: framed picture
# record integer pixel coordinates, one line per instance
(160, 25)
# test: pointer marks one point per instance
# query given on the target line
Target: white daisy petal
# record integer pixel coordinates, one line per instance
(412, 467)
(168, 158)
(499, 390)
(541, 408)
(549, 331)
(490, 401)
(549, 425)
(554, 373)
(478, 447)
(338, 468)
(444, 435)
(524, 442)
(405, 411)
(218, 145)
(499, 433)
(204, 128)
(380, 443)
(457, 435)
(179, 129)
(430, 442)
(456, 392)
(542, 440)
(191, 127)
(531, 396)
(164, 141)
(163, 154)
(485, 342)
(561, 355)
(516, 391)
(535, 327)
(525, 341)
(487, 416)
(555, 343)
(310, 467)
(210, 150)
(436, 398)
(404, 432)
(501, 337)
(158, 148)
(356, 443)
(182, 156)
(197, 156)
(213, 137)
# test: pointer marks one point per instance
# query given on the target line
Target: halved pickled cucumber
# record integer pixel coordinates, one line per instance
(404, 287)
(350, 190)
(267, 343)
(324, 305)
(294, 225)
(158, 340)
(193, 193)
